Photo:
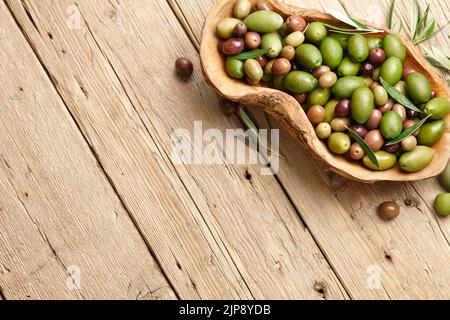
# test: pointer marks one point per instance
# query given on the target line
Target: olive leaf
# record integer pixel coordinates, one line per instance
(367, 149)
(352, 22)
(398, 96)
(421, 28)
(437, 58)
(251, 54)
(415, 18)
(250, 123)
(405, 134)
(337, 29)
(390, 21)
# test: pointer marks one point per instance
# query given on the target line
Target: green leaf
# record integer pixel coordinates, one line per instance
(415, 18)
(251, 54)
(437, 58)
(390, 23)
(337, 29)
(399, 97)
(367, 149)
(405, 134)
(352, 22)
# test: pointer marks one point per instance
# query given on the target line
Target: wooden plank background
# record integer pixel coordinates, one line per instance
(87, 178)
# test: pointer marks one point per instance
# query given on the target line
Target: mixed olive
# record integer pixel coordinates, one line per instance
(344, 83)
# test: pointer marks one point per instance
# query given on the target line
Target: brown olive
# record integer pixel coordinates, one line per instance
(374, 84)
(294, 66)
(233, 46)
(327, 80)
(340, 124)
(296, 23)
(356, 152)
(288, 52)
(393, 148)
(316, 114)
(388, 210)
(281, 67)
(374, 120)
(319, 71)
(411, 113)
(240, 30)
(262, 61)
(374, 139)
(433, 94)
(407, 71)
(228, 107)
(359, 129)
(410, 123)
(252, 40)
(400, 110)
(367, 69)
(377, 56)
(409, 143)
(301, 98)
(263, 5)
(184, 67)
(269, 67)
(220, 45)
(387, 107)
(342, 109)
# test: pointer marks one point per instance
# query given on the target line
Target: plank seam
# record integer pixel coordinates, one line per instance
(94, 153)
(284, 190)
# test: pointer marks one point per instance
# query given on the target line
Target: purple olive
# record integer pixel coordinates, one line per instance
(342, 109)
(233, 46)
(240, 30)
(407, 71)
(228, 107)
(377, 56)
(294, 66)
(359, 129)
(393, 148)
(367, 69)
(411, 113)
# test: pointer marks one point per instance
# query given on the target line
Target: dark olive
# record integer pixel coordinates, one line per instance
(433, 94)
(359, 129)
(389, 210)
(294, 66)
(367, 69)
(233, 46)
(393, 148)
(184, 67)
(407, 71)
(252, 40)
(281, 67)
(301, 98)
(296, 23)
(228, 107)
(342, 109)
(240, 30)
(220, 45)
(377, 56)
(262, 61)
(411, 113)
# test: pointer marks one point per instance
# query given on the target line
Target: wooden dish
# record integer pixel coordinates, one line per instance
(286, 110)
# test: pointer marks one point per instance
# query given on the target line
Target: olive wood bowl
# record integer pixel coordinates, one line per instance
(288, 112)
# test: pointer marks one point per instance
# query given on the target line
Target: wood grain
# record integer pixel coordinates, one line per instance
(214, 229)
(57, 208)
(410, 252)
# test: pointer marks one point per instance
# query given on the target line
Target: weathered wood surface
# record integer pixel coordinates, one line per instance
(409, 252)
(58, 212)
(215, 231)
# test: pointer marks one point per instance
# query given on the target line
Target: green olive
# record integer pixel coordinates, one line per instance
(418, 88)
(394, 47)
(272, 41)
(444, 178)
(316, 32)
(323, 130)
(253, 70)
(362, 105)
(381, 96)
(431, 132)
(226, 27)
(332, 52)
(401, 87)
(391, 70)
(416, 159)
(242, 9)
(344, 87)
(374, 43)
(391, 125)
(342, 38)
(339, 143)
(308, 56)
(235, 68)
(264, 21)
(358, 48)
(348, 68)
(385, 159)
(295, 39)
(329, 110)
(300, 82)
(438, 108)
(278, 83)
(442, 204)
(319, 96)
